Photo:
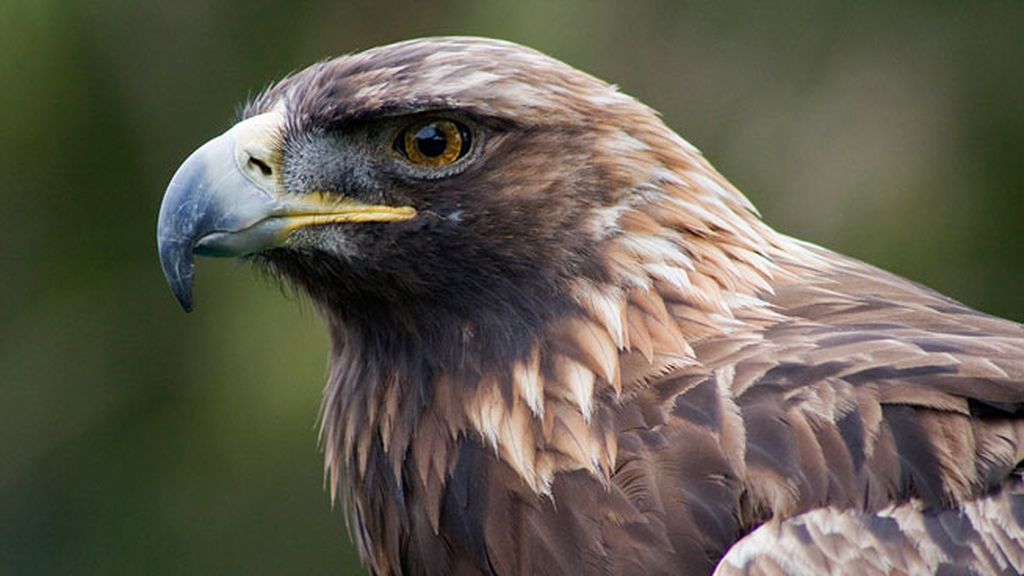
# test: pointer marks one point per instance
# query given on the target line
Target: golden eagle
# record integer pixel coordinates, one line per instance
(563, 343)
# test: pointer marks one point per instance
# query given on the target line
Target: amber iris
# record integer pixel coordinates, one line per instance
(434, 143)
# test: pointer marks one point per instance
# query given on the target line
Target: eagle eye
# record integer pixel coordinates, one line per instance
(433, 143)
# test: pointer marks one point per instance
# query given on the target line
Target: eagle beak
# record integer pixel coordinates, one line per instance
(226, 199)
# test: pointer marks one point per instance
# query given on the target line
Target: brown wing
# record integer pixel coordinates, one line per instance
(874, 390)
(872, 394)
(981, 537)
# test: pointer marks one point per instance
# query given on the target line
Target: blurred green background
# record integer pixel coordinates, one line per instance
(137, 440)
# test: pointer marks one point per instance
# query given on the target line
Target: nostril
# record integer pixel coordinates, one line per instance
(263, 166)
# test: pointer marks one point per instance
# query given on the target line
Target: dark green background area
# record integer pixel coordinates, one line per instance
(135, 439)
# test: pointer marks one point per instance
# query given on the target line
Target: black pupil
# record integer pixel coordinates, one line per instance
(431, 141)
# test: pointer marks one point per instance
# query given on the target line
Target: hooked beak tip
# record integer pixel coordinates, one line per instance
(177, 262)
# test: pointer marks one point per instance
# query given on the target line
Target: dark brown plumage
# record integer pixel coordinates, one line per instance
(574, 348)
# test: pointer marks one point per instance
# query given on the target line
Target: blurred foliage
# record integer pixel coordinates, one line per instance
(137, 440)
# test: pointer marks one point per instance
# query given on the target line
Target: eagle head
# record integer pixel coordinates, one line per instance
(441, 187)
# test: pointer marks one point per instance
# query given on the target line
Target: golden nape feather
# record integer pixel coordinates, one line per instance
(563, 343)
